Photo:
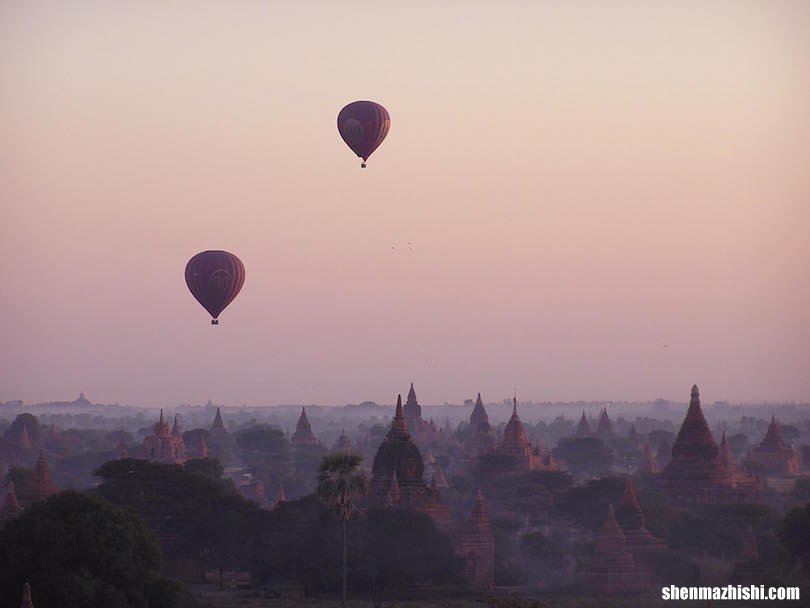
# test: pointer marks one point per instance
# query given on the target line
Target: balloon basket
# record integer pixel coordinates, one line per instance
(362, 165)
(214, 322)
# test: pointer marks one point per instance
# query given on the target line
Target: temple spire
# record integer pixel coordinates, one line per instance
(399, 427)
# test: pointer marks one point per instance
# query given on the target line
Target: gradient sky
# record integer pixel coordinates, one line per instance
(583, 183)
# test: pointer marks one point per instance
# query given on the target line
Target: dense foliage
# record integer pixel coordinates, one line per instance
(78, 550)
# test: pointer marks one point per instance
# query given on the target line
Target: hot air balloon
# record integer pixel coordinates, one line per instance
(214, 278)
(363, 125)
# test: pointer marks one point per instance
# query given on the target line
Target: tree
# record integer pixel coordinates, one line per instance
(338, 483)
(794, 532)
(585, 455)
(196, 516)
(76, 549)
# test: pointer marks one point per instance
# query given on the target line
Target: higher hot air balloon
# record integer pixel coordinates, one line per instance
(214, 278)
(363, 125)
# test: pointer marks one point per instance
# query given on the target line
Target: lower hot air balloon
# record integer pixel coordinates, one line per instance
(214, 278)
(363, 125)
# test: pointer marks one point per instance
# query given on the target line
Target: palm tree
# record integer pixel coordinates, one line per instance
(338, 482)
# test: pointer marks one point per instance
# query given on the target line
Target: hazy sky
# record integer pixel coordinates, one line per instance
(583, 183)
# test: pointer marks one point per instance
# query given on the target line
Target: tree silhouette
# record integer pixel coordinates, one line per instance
(338, 483)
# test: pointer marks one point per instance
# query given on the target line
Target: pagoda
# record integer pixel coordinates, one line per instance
(11, 506)
(480, 439)
(583, 428)
(695, 472)
(612, 570)
(397, 474)
(640, 541)
(218, 430)
(773, 455)
(422, 431)
(605, 427)
(476, 546)
(515, 445)
(343, 444)
(647, 464)
(41, 482)
(164, 445)
(303, 435)
(725, 454)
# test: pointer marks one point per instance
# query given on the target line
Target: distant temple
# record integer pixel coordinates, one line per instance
(515, 444)
(397, 474)
(422, 431)
(479, 438)
(42, 484)
(583, 428)
(218, 430)
(696, 472)
(773, 455)
(605, 427)
(11, 506)
(164, 445)
(647, 464)
(476, 547)
(303, 435)
(612, 570)
(642, 544)
(343, 444)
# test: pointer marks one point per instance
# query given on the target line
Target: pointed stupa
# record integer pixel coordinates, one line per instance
(640, 541)
(218, 425)
(773, 455)
(176, 427)
(632, 433)
(42, 478)
(399, 427)
(26, 597)
(11, 506)
(694, 438)
(647, 464)
(611, 542)
(583, 428)
(476, 546)
(429, 458)
(514, 435)
(773, 438)
(343, 443)
(121, 450)
(412, 408)
(303, 430)
(25, 438)
(161, 428)
(695, 472)
(479, 417)
(605, 426)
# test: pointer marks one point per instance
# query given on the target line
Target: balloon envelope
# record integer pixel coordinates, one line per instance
(363, 125)
(214, 278)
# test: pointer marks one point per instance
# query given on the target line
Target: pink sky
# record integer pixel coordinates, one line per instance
(582, 183)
